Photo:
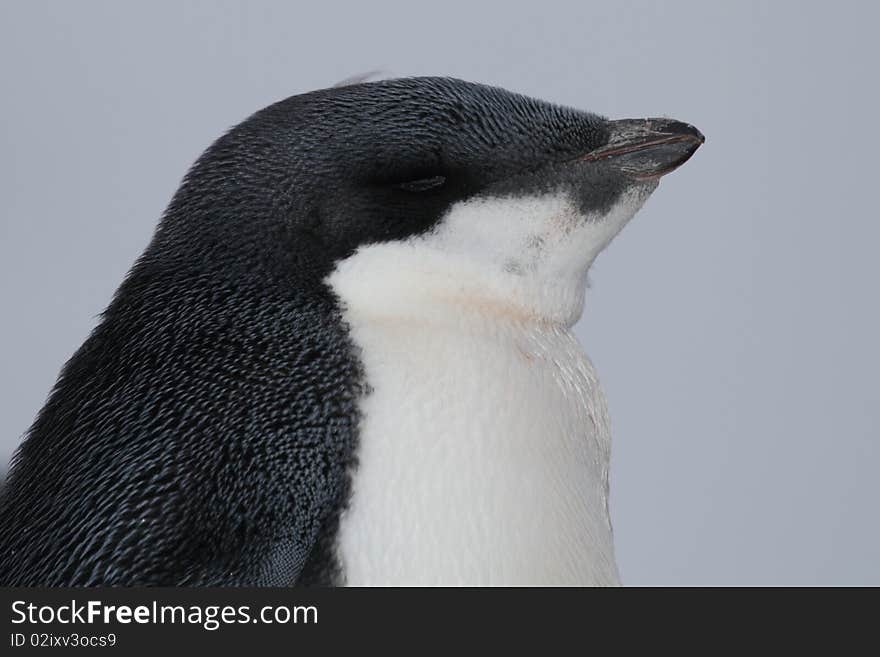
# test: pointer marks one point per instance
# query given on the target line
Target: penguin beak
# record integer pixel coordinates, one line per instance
(648, 148)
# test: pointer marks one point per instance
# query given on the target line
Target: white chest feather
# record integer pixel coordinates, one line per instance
(484, 442)
(483, 459)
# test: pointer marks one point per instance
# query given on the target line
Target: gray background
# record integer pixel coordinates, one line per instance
(734, 322)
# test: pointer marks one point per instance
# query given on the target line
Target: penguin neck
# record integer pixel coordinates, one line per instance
(415, 282)
(523, 259)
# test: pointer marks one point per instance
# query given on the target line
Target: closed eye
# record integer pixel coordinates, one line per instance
(422, 184)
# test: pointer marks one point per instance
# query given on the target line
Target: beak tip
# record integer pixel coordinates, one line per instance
(685, 129)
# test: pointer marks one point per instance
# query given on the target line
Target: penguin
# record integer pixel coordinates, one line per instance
(346, 356)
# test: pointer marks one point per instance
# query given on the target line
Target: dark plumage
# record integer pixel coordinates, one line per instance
(203, 433)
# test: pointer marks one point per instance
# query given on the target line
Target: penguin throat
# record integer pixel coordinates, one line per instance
(520, 258)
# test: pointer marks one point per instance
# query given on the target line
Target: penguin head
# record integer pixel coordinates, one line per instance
(398, 176)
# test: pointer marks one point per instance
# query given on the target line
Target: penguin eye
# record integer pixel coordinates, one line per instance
(421, 184)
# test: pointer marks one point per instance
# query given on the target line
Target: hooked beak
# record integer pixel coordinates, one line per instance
(648, 148)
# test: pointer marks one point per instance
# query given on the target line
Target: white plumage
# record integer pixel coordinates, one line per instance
(484, 444)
